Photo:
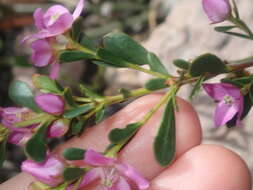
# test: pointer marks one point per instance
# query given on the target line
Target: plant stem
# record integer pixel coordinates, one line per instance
(170, 94)
(240, 24)
(240, 64)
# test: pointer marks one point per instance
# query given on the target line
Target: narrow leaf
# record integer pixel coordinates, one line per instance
(45, 83)
(69, 97)
(77, 128)
(197, 87)
(165, 141)
(156, 65)
(156, 84)
(238, 35)
(73, 154)
(70, 174)
(224, 28)
(21, 94)
(73, 112)
(88, 92)
(2, 152)
(182, 64)
(100, 115)
(120, 135)
(74, 55)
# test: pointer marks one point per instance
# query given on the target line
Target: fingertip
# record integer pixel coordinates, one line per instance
(205, 167)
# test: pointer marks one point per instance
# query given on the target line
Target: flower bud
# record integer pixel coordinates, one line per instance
(48, 172)
(50, 103)
(58, 128)
(217, 10)
(19, 138)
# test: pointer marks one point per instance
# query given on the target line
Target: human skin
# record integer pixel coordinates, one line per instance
(196, 166)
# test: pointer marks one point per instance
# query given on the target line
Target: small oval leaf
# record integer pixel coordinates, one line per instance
(156, 84)
(70, 174)
(73, 154)
(74, 55)
(73, 112)
(182, 64)
(126, 48)
(156, 65)
(120, 135)
(207, 63)
(21, 94)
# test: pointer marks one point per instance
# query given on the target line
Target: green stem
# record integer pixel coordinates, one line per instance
(170, 94)
(241, 24)
(38, 119)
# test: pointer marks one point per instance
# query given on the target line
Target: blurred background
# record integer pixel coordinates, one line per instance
(170, 28)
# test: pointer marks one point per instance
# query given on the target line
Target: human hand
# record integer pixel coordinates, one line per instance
(196, 167)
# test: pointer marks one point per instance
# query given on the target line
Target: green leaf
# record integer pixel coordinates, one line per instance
(70, 174)
(156, 84)
(126, 93)
(69, 97)
(74, 55)
(74, 112)
(77, 128)
(238, 35)
(77, 29)
(73, 154)
(100, 115)
(156, 65)
(207, 63)
(21, 94)
(86, 42)
(45, 83)
(2, 152)
(110, 59)
(165, 141)
(36, 147)
(88, 92)
(120, 135)
(182, 64)
(224, 28)
(197, 87)
(126, 48)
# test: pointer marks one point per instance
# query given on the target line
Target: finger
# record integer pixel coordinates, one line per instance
(188, 132)
(205, 167)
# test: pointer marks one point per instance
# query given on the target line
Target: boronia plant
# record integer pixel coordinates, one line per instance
(57, 112)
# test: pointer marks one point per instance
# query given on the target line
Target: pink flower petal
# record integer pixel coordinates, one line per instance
(241, 104)
(121, 184)
(38, 18)
(224, 113)
(48, 172)
(50, 103)
(58, 128)
(61, 25)
(19, 138)
(132, 174)
(218, 90)
(42, 53)
(96, 159)
(54, 70)
(217, 10)
(53, 14)
(78, 9)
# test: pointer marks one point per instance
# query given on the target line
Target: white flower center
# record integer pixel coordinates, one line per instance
(111, 175)
(228, 100)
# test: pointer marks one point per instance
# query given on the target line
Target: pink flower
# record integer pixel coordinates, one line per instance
(12, 115)
(217, 10)
(55, 21)
(50, 103)
(230, 102)
(112, 175)
(43, 55)
(58, 128)
(48, 172)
